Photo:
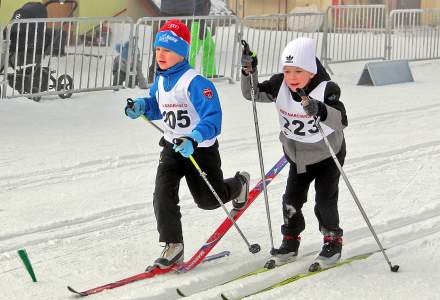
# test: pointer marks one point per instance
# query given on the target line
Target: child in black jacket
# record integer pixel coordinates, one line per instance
(303, 144)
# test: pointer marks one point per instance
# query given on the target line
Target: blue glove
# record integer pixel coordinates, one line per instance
(136, 108)
(188, 143)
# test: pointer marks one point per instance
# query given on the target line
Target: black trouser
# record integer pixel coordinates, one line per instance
(326, 176)
(172, 167)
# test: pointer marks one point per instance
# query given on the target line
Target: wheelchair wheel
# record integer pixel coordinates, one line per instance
(65, 82)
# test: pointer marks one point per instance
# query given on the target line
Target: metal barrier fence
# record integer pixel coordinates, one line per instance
(354, 33)
(414, 34)
(63, 56)
(213, 45)
(268, 35)
(69, 55)
(2, 59)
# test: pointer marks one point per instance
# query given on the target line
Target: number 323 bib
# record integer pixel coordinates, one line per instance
(294, 122)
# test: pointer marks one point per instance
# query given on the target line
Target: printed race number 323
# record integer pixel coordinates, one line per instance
(300, 127)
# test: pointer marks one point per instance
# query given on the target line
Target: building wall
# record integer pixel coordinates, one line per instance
(101, 8)
(8, 7)
(141, 8)
(56, 10)
(86, 8)
(320, 5)
(430, 4)
(243, 8)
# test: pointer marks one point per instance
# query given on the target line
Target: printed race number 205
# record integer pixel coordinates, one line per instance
(179, 118)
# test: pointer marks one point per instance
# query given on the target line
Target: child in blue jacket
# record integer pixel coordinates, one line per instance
(189, 107)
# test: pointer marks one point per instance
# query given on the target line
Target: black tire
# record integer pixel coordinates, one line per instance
(65, 82)
(36, 98)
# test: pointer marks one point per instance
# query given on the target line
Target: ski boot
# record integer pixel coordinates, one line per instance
(172, 254)
(287, 252)
(240, 202)
(330, 253)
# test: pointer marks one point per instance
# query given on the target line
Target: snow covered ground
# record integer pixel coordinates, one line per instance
(77, 176)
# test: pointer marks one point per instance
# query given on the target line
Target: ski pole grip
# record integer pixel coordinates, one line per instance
(177, 141)
(130, 103)
(246, 48)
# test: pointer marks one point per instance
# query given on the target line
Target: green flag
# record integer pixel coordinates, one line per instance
(27, 263)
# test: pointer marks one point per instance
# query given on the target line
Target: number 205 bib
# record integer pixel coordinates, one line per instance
(178, 113)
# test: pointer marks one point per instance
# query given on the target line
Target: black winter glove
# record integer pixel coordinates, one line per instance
(249, 59)
(315, 108)
(249, 62)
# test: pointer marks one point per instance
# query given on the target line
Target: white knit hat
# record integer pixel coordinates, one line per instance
(300, 52)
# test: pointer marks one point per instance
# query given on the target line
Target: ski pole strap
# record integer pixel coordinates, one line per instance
(303, 95)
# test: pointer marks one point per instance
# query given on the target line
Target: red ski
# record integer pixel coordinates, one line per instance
(148, 274)
(227, 223)
(202, 254)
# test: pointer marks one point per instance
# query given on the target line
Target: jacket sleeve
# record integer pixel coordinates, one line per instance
(336, 114)
(204, 97)
(267, 91)
(152, 111)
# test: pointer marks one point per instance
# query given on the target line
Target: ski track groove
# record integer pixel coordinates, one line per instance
(393, 241)
(91, 168)
(352, 236)
(131, 213)
(81, 170)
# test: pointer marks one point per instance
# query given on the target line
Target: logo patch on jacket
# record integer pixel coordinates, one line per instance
(208, 93)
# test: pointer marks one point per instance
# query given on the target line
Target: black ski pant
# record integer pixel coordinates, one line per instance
(172, 168)
(326, 175)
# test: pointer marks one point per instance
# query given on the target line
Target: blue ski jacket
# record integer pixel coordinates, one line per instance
(209, 110)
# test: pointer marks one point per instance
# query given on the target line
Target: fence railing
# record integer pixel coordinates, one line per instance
(213, 45)
(61, 56)
(354, 33)
(268, 35)
(414, 34)
(2, 60)
(70, 55)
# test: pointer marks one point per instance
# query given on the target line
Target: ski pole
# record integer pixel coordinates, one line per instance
(305, 99)
(254, 248)
(260, 152)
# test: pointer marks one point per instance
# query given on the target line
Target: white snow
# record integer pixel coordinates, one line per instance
(77, 178)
